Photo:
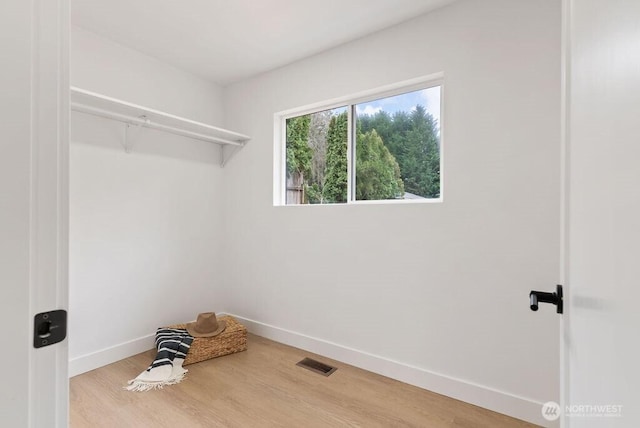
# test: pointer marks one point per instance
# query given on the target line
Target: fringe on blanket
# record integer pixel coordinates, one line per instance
(141, 386)
(166, 369)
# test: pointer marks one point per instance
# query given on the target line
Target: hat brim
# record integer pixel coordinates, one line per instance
(221, 326)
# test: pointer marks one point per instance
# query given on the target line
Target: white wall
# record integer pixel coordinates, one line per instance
(145, 236)
(433, 294)
(105, 67)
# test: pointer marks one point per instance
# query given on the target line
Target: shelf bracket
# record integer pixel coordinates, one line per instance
(227, 152)
(129, 134)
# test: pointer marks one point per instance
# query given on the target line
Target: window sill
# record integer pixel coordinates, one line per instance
(378, 202)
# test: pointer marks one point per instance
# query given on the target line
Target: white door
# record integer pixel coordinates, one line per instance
(601, 382)
(33, 207)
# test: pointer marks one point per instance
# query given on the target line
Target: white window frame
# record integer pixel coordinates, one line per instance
(350, 102)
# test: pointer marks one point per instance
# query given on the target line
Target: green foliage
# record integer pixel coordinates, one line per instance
(335, 178)
(298, 151)
(394, 154)
(377, 172)
(313, 193)
(413, 140)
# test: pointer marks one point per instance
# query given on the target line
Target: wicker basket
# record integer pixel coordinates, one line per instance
(232, 339)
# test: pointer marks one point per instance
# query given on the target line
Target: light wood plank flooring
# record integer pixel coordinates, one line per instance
(262, 387)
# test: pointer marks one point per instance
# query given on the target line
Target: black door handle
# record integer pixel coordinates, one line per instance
(544, 297)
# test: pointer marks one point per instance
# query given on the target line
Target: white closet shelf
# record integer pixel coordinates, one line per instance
(135, 115)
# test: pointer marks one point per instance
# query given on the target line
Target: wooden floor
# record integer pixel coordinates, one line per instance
(262, 387)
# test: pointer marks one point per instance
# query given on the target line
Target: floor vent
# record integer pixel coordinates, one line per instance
(316, 366)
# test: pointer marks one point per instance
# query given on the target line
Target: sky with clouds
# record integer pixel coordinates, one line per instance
(429, 98)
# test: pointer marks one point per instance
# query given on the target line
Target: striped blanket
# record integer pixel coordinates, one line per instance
(166, 368)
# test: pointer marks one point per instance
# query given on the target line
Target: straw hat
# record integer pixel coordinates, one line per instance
(207, 325)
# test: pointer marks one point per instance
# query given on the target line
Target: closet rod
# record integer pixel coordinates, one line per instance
(83, 108)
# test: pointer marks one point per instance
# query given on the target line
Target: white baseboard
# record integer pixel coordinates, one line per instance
(479, 395)
(94, 360)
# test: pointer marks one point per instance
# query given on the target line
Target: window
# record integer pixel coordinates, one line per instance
(384, 147)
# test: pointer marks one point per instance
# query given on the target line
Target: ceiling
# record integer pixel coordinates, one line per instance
(229, 40)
